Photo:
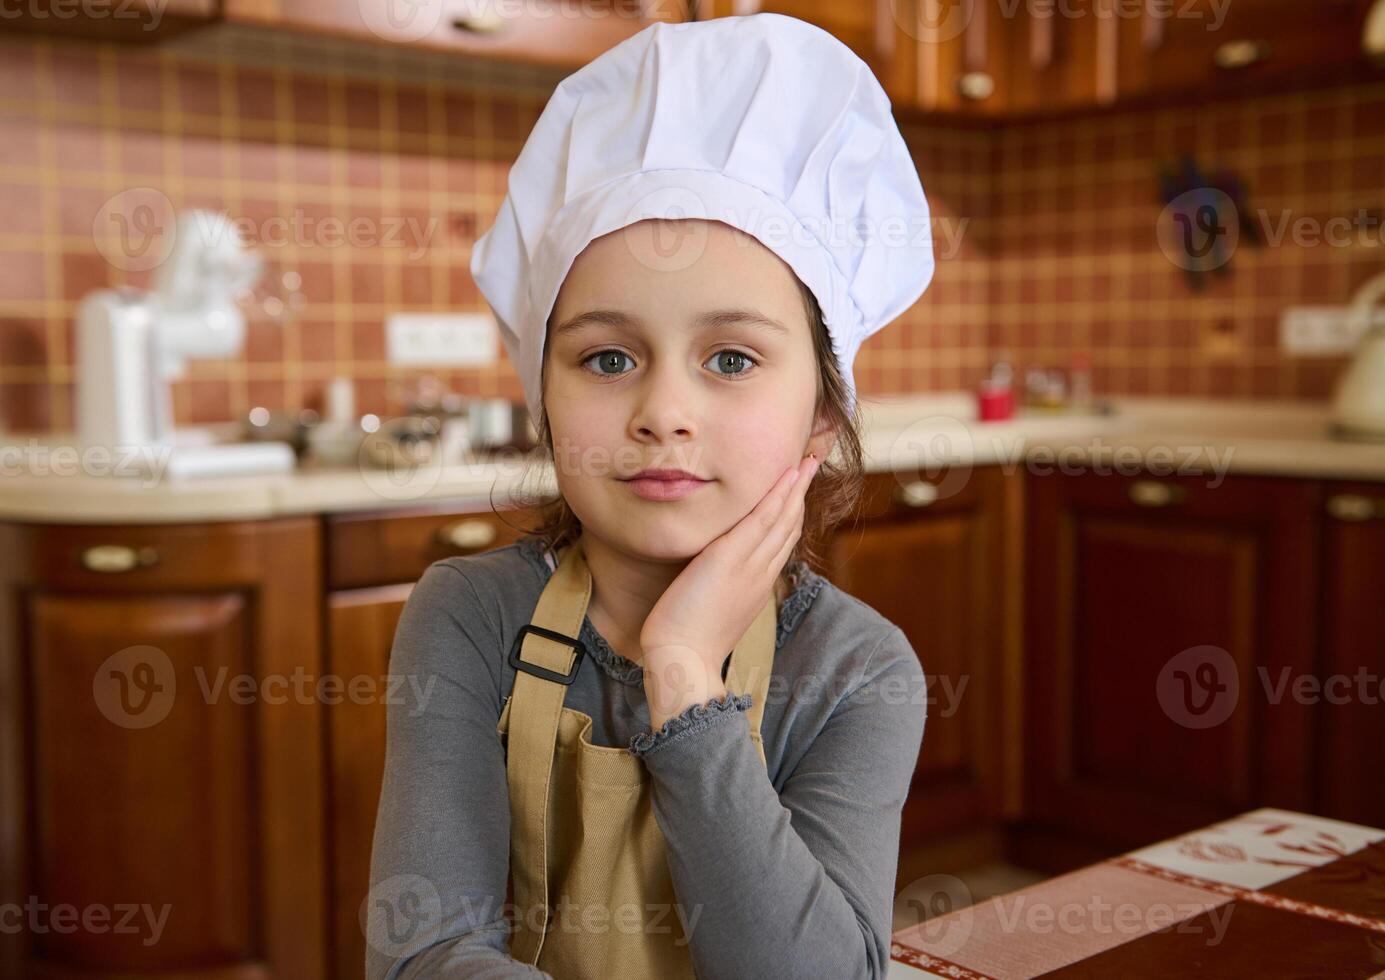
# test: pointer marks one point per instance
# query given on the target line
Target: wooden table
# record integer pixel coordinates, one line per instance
(1267, 894)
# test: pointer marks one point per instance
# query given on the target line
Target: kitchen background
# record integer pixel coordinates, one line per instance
(1057, 598)
(1045, 231)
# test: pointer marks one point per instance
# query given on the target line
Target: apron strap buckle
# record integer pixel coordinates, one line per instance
(544, 672)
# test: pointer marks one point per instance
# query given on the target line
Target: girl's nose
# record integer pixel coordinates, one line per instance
(665, 404)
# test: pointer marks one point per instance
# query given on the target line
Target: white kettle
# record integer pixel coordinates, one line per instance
(1358, 408)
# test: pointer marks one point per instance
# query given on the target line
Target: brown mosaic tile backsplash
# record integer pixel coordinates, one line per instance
(372, 191)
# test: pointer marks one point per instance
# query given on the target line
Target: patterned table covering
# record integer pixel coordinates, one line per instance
(1270, 893)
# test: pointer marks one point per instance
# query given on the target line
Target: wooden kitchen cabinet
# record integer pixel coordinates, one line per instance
(360, 627)
(875, 31)
(929, 55)
(1098, 52)
(968, 58)
(555, 33)
(928, 553)
(1351, 716)
(1057, 63)
(959, 56)
(1002, 62)
(373, 561)
(1162, 613)
(158, 752)
(560, 33)
(999, 62)
(1215, 46)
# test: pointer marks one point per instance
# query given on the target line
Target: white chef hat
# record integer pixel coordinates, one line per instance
(764, 122)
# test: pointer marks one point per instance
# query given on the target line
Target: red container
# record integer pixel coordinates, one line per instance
(995, 403)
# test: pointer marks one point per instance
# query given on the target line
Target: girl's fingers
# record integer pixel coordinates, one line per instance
(790, 519)
(781, 557)
(776, 546)
(763, 515)
(769, 514)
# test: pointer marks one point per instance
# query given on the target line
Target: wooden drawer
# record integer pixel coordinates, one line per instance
(903, 495)
(380, 548)
(1238, 498)
(148, 557)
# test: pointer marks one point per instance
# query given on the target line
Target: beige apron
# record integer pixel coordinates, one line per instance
(589, 882)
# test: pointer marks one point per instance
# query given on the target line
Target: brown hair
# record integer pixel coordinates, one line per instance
(835, 488)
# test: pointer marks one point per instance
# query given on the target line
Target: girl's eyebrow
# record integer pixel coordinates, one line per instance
(710, 319)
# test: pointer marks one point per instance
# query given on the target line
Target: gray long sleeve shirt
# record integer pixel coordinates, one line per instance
(791, 871)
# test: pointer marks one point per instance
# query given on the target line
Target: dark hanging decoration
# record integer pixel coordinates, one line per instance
(1206, 218)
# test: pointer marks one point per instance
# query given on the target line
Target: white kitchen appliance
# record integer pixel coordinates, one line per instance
(1358, 409)
(131, 344)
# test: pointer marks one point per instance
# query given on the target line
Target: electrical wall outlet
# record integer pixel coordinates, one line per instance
(450, 339)
(1321, 331)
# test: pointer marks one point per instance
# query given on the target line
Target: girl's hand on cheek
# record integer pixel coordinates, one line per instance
(710, 605)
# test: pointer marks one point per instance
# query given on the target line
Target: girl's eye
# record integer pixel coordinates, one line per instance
(608, 361)
(730, 362)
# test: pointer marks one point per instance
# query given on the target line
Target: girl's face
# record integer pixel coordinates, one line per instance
(677, 345)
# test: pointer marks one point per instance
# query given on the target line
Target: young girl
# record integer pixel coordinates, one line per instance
(655, 743)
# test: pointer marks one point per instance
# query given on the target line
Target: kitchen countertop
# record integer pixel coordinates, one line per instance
(42, 479)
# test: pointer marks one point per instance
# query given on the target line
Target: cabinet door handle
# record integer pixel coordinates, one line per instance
(113, 558)
(1152, 493)
(1241, 53)
(1354, 507)
(467, 535)
(916, 493)
(976, 86)
(484, 23)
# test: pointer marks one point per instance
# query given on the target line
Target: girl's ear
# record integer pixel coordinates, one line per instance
(823, 438)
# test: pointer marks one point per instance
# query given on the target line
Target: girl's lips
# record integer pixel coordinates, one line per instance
(655, 489)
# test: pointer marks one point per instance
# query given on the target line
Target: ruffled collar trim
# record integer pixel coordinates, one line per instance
(807, 584)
